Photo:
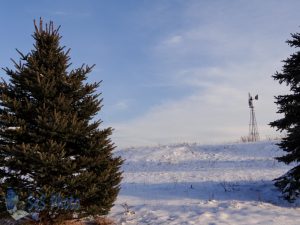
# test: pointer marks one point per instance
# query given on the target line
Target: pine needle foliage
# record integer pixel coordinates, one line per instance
(289, 106)
(50, 142)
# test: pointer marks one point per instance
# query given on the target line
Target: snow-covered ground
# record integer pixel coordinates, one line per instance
(203, 184)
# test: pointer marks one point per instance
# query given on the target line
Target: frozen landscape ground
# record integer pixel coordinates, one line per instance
(203, 184)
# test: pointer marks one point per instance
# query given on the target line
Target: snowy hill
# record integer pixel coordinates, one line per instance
(194, 184)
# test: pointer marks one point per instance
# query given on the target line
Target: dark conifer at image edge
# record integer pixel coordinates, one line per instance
(289, 106)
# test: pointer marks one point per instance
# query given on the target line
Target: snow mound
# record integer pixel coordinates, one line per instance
(203, 184)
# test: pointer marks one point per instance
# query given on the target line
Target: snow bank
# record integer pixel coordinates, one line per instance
(203, 184)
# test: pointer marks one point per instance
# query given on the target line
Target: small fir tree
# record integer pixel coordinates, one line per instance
(289, 106)
(52, 152)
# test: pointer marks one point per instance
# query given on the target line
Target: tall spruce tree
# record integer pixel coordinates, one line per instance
(50, 144)
(289, 106)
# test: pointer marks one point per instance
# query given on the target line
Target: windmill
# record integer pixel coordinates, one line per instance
(253, 131)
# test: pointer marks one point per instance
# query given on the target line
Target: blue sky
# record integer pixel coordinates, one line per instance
(172, 71)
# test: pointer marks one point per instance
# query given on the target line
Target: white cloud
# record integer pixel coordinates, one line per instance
(121, 105)
(200, 118)
(70, 13)
(221, 62)
(219, 114)
(216, 112)
(174, 40)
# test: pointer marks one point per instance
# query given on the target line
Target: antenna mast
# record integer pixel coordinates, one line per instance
(253, 131)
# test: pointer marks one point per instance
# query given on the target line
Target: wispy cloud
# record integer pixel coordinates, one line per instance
(121, 105)
(174, 40)
(217, 113)
(70, 13)
(221, 61)
(60, 13)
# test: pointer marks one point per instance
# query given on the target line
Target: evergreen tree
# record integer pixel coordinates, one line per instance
(289, 106)
(51, 148)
